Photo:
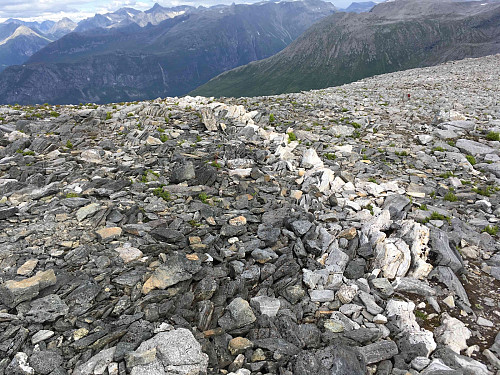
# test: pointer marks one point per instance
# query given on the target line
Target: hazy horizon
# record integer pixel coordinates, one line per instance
(35, 10)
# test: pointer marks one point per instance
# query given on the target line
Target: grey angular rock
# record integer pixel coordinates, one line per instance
(177, 352)
(446, 255)
(182, 172)
(379, 351)
(46, 361)
(473, 147)
(266, 305)
(333, 360)
(177, 268)
(238, 314)
(47, 308)
(5, 213)
(19, 365)
(103, 357)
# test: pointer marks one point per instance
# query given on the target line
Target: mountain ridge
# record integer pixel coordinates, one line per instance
(171, 58)
(346, 47)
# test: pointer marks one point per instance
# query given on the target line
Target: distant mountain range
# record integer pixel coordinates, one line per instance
(345, 47)
(132, 55)
(19, 39)
(171, 58)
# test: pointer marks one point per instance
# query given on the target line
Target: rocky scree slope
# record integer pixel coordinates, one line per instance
(351, 230)
(172, 58)
(346, 47)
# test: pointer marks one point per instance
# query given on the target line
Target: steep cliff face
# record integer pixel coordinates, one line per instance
(346, 47)
(172, 58)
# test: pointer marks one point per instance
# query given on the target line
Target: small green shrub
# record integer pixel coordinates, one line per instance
(194, 223)
(291, 137)
(55, 114)
(108, 116)
(330, 156)
(420, 314)
(69, 144)
(471, 159)
(369, 207)
(163, 138)
(450, 197)
(203, 198)
(485, 191)
(437, 216)
(446, 174)
(493, 136)
(271, 119)
(159, 192)
(438, 148)
(491, 230)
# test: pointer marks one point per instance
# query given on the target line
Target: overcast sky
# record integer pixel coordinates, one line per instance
(36, 10)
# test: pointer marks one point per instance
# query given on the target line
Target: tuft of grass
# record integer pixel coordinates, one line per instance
(420, 314)
(108, 116)
(159, 192)
(163, 138)
(438, 148)
(69, 144)
(437, 216)
(471, 159)
(203, 198)
(493, 136)
(369, 207)
(72, 195)
(486, 191)
(55, 114)
(216, 165)
(450, 197)
(330, 156)
(292, 137)
(423, 207)
(271, 119)
(491, 230)
(25, 153)
(194, 223)
(446, 174)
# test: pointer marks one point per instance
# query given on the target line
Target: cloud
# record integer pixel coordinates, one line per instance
(57, 9)
(39, 10)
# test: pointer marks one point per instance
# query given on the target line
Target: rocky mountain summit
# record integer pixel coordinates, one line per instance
(347, 231)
